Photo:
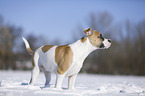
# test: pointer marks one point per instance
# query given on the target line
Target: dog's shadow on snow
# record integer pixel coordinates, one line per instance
(24, 84)
(47, 86)
(64, 88)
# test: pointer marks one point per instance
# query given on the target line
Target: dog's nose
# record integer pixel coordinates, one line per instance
(109, 40)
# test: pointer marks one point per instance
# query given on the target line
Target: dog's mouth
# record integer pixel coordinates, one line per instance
(101, 45)
(105, 44)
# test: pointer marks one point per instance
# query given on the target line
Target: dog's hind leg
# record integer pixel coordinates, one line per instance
(48, 78)
(35, 70)
(34, 75)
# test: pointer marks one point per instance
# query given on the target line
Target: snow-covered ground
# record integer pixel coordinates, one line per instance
(14, 83)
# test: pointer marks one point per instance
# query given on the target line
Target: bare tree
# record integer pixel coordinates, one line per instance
(8, 37)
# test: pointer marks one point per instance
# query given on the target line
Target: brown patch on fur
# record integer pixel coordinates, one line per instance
(46, 48)
(63, 58)
(83, 39)
(88, 31)
(95, 41)
(30, 51)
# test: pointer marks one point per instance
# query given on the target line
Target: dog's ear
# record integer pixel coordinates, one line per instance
(88, 31)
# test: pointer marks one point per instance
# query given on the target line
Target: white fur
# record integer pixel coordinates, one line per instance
(47, 60)
(26, 43)
(35, 70)
(80, 52)
(71, 81)
(106, 43)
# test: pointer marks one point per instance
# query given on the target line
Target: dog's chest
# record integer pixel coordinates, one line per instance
(75, 68)
(78, 59)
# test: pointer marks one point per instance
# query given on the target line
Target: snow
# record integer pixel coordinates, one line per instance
(15, 83)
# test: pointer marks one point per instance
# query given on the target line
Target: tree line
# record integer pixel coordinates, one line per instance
(125, 56)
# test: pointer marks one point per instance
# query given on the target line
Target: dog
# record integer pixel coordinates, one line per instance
(65, 60)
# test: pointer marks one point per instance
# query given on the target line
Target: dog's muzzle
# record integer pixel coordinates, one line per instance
(105, 44)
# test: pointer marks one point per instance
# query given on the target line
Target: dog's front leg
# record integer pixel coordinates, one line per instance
(59, 81)
(71, 81)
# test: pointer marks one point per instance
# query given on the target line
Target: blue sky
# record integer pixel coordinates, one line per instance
(57, 19)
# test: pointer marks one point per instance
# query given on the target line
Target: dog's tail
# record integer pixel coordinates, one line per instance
(27, 46)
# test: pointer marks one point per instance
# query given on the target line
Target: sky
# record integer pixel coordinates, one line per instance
(57, 19)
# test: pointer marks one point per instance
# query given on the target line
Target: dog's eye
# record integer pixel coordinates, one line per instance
(100, 36)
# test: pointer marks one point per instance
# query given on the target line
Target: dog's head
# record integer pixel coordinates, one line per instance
(96, 39)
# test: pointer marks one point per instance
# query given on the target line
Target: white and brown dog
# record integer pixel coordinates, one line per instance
(66, 60)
